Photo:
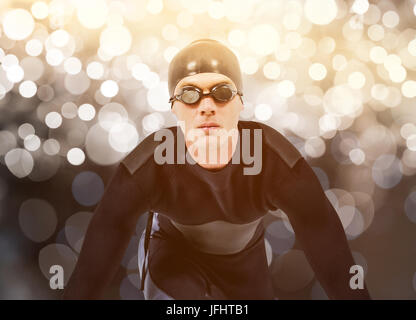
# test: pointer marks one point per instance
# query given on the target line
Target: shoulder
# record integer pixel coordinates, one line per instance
(276, 142)
(144, 151)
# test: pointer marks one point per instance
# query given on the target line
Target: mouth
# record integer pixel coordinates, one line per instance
(209, 126)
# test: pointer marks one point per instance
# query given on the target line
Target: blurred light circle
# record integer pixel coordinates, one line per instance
(77, 84)
(411, 47)
(72, 65)
(15, 73)
(375, 32)
(378, 54)
(27, 89)
(379, 91)
(37, 219)
(357, 156)
(7, 141)
(123, 137)
(9, 60)
(410, 207)
(19, 162)
(45, 93)
(154, 6)
(57, 254)
(407, 130)
(392, 61)
(342, 100)
(291, 21)
(320, 12)
(216, 10)
(283, 52)
(317, 71)
(356, 227)
(98, 147)
(263, 112)
(75, 156)
(115, 40)
(339, 62)
(269, 252)
(390, 19)
(249, 65)
(326, 45)
(169, 53)
(87, 188)
(140, 71)
(75, 228)
(109, 88)
(263, 39)
(307, 49)
(291, 271)
(151, 80)
(397, 74)
(51, 147)
(111, 114)
(315, 147)
(170, 32)
(280, 238)
(236, 37)
(95, 70)
(356, 80)
(33, 68)
(293, 39)
(386, 172)
(34, 47)
(286, 88)
(394, 97)
(409, 89)
(185, 19)
(158, 97)
(2, 92)
(54, 57)
(69, 110)
(18, 24)
(86, 112)
(40, 10)
(31, 142)
(25, 129)
(313, 95)
(92, 14)
(360, 6)
(60, 38)
(411, 142)
(53, 120)
(153, 122)
(271, 70)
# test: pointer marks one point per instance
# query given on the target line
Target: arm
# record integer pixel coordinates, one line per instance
(107, 237)
(319, 231)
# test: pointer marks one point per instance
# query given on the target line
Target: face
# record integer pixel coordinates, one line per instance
(207, 110)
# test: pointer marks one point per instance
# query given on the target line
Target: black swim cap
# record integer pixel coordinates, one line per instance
(204, 55)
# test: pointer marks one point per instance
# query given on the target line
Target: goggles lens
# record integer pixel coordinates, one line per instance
(191, 95)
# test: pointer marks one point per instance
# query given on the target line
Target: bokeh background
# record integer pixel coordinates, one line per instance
(82, 82)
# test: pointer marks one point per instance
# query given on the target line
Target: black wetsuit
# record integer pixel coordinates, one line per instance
(192, 195)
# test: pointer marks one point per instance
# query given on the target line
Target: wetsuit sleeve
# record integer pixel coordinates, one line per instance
(318, 230)
(107, 236)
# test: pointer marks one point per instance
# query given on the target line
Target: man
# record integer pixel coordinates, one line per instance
(205, 239)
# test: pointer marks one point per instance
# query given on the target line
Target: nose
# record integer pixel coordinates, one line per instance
(207, 106)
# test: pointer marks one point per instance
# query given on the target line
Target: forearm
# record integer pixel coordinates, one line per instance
(330, 257)
(107, 237)
(99, 260)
